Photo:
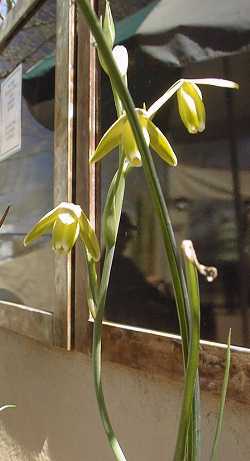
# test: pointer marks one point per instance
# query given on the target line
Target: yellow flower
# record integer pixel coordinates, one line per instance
(120, 133)
(191, 107)
(66, 222)
(189, 97)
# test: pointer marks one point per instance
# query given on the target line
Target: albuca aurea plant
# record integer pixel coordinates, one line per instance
(134, 133)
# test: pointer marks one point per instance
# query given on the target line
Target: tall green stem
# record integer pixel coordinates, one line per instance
(97, 330)
(150, 173)
(178, 279)
(96, 357)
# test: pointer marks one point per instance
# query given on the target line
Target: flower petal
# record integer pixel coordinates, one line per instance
(44, 225)
(89, 238)
(195, 92)
(160, 144)
(191, 107)
(187, 111)
(131, 150)
(65, 232)
(215, 82)
(110, 140)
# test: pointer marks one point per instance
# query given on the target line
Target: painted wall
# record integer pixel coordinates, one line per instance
(56, 415)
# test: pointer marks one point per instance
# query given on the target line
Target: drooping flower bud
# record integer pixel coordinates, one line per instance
(191, 107)
(108, 26)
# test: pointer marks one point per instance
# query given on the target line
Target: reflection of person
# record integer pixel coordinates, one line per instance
(132, 299)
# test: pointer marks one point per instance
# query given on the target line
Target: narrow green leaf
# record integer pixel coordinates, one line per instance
(187, 443)
(194, 430)
(214, 454)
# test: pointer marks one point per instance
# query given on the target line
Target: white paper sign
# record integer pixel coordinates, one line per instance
(11, 98)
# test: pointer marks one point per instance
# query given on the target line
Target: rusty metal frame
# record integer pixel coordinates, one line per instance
(52, 328)
(86, 175)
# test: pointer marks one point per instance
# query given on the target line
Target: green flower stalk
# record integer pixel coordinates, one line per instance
(120, 133)
(66, 222)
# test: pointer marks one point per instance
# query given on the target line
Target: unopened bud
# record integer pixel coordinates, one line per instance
(191, 107)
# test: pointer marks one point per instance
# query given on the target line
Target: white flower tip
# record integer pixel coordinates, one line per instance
(120, 55)
(174, 163)
(202, 127)
(66, 218)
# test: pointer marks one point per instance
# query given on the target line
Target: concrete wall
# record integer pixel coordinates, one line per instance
(56, 416)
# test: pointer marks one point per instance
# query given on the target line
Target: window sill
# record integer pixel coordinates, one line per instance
(160, 354)
(34, 323)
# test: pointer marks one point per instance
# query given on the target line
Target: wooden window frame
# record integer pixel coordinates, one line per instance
(51, 328)
(151, 352)
(69, 326)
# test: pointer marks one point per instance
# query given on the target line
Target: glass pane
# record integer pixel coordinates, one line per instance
(26, 177)
(208, 194)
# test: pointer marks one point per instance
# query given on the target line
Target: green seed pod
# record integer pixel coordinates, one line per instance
(112, 211)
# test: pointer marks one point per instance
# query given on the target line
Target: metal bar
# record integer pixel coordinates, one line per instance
(85, 175)
(63, 160)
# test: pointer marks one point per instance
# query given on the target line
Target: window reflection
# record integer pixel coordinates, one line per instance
(26, 177)
(208, 196)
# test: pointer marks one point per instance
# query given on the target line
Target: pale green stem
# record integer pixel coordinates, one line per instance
(98, 321)
(180, 289)
(192, 367)
(96, 357)
(193, 439)
(150, 173)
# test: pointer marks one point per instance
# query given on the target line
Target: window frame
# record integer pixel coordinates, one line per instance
(51, 328)
(151, 352)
